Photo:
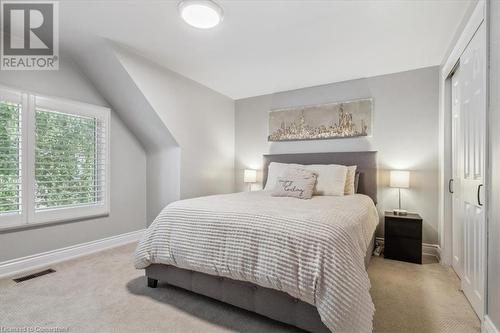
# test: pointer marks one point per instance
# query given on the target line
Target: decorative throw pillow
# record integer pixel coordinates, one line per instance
(350, 180)
(301, 188)
(276, 170)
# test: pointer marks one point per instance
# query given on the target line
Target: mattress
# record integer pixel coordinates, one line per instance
(313, 250)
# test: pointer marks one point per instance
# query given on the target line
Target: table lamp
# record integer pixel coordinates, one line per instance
(249, 177)
(400, 179)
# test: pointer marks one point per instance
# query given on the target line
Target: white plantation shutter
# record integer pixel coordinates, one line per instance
(11, 156)
(70, 160)
(54, 159)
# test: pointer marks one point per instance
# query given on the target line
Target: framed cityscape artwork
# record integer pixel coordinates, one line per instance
(325, 121)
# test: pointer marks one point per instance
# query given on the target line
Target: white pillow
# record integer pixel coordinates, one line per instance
(274, 171)
(350, 180)
(300, 172)
(331, 178)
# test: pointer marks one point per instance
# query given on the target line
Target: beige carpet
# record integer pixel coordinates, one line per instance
(103, 293)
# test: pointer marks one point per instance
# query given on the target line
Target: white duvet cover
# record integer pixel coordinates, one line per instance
(311, 249)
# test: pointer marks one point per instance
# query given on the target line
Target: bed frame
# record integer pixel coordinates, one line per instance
(272, 303)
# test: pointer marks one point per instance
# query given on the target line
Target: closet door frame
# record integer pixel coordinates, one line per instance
(477, 18)
(454, 184)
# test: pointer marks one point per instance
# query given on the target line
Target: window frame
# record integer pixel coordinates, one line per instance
(14, 96)
(29, 216)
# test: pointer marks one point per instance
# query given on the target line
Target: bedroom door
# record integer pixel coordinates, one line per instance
(472, 110)
(454, 183)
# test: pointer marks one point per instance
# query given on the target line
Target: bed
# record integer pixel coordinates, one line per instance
(301, 262)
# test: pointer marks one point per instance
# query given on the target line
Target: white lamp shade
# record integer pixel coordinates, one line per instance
(400, 179)
(250, 176)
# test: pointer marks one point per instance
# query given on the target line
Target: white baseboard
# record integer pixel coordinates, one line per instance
(431, 250)
(41, 260)
(427, 249)
(488, 326)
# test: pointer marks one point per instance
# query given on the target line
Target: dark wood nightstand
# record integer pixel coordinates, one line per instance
(403, 237)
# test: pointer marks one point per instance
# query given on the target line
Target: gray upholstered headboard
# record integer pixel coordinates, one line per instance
(365, 160)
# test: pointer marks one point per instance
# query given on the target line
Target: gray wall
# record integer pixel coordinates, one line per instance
(405, 133)
(128, 171)
(199, 119)
(494, 192)
(111, 79)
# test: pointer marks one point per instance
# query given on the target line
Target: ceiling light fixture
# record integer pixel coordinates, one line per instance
(202, 14)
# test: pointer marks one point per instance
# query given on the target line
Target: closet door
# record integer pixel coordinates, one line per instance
(454, 184)
(473, 129)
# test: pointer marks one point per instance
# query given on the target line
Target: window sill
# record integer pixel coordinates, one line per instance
(35, 225)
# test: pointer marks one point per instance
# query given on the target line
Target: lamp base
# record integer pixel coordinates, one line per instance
(400, 212)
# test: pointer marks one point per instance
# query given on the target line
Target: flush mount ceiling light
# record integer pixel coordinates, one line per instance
(202, 14)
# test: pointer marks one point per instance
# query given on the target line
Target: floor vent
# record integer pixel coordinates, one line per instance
(34, 275)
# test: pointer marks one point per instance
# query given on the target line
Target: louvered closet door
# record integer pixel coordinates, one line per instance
(473, 132)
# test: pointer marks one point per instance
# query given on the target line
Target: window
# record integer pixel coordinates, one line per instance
(54, 161)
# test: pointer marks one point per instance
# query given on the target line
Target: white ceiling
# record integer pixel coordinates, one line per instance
(263, 47)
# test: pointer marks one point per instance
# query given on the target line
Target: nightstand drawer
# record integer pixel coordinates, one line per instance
(405, 249)
(399, 228)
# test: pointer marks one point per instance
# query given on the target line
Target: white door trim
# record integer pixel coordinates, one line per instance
(455, 174)
(42, 260)
(470, 29)
(488, 326)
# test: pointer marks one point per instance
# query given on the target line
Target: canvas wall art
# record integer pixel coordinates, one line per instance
(325, 121)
